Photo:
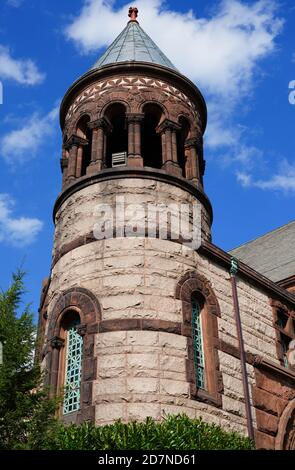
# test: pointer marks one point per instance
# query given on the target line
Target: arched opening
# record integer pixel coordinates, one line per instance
(85, 133)
(182, 136)
(117, 140)
(151, 140)
(71, 367)
(198, 341)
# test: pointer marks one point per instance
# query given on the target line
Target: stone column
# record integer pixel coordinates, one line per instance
(168, 130)
(79, 161)
(134, 139)
(56, 344)
(137, 138)
(72, 162)
(174, 146)
(131, 151)
(163, 138)
(100, 128)
(64, 163)
(194, 160)
(75, 145)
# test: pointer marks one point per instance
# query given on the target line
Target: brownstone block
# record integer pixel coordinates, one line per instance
(267, 422)
(264, 441)
(266, 401)
(120, 325)
(274, 385)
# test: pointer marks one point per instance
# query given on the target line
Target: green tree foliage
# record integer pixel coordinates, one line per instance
(26, 413)
(175, 432)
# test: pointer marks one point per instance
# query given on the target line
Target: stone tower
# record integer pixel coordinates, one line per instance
(135, 322)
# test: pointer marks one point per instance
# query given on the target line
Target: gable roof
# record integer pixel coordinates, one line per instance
(272, 255)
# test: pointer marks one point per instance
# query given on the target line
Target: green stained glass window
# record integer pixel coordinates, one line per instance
(73, 369)
(198, 344)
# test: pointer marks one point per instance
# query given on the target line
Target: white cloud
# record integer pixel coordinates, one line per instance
(283, 180)
(23, 71)
(219, 53)
(16, 231)
(14, 3)
(21, 145)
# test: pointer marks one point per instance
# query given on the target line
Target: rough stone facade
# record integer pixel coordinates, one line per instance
(133, 294)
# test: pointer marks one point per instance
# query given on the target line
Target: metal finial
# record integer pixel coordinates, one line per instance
(133, 13)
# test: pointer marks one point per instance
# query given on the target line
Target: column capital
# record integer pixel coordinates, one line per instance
(196, 141)
(75, 141)
(134, 117)
(167, 124)
(101, 123)
(82, 329)
(56, 342)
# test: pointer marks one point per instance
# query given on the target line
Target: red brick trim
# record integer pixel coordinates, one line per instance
(193, 283)
(127, 172)
(89, 238)
(274, 368)
(153, 70)
(88, 307)
(138, 324)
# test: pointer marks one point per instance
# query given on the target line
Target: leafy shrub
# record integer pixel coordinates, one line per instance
(175, 432)
(26, 412)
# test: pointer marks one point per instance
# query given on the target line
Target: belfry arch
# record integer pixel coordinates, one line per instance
(151, 139)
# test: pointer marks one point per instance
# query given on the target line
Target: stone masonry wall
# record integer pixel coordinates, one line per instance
(76, 216)
(143, 373)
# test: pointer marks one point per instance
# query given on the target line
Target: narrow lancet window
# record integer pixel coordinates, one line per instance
(73, 363)
(198, 344)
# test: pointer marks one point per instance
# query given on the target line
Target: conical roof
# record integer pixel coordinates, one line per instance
(133, 44)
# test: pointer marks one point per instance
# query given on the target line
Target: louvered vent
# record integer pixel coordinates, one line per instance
(119, 159)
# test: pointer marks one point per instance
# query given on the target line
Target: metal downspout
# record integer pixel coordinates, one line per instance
(233, 272)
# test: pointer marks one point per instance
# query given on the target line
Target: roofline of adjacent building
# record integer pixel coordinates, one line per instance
(287, 282)
(133, 66)
(244, 271)
(261, 236)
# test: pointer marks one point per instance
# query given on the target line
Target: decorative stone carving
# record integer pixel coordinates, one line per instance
(56, 342)
(132, 85)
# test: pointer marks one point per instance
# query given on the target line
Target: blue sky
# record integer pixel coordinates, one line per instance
(240, 53)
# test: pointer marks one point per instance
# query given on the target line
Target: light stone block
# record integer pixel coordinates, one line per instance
(143, 361)
(142, 338)
(143, 385)
(176, 389)
(110, 386)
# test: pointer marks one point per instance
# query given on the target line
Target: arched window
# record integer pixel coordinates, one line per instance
(117, 139)
(182, 136)
(85, 133)
(198, 343)
(151, 140)
(72, 362)
(201, 310)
